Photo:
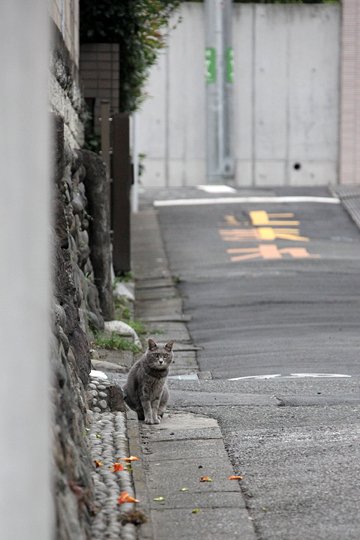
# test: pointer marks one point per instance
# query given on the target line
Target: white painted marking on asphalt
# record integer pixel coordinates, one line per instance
(216, 189)
(326, 375)
(293, 376)
(186, 377)
(233, 200)
(260, 377)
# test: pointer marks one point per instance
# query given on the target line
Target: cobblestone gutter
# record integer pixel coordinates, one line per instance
(108, 445)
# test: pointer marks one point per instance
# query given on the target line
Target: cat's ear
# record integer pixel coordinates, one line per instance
(152, 345)
(169, 345)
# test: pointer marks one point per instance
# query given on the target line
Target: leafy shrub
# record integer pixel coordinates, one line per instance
(139, 26)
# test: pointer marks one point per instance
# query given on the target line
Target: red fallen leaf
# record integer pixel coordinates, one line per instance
(129, 459)
(235, 477)
(98, 463)
(117, 467)
(205, 479)
(126, 498)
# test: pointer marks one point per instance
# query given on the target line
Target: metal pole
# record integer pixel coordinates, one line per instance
(219, 79)
(25, 290)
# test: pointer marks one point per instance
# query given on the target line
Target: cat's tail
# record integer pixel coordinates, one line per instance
(137, 408)
(127, 399)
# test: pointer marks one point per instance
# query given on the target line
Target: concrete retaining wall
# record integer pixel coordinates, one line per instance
(286, 98)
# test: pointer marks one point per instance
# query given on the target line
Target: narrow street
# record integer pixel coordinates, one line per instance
(271, 287)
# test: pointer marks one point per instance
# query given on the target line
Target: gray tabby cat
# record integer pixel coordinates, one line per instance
(145, 390)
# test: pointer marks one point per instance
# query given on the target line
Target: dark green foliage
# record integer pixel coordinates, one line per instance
(278, 1)
(287, 1)
(138, 26)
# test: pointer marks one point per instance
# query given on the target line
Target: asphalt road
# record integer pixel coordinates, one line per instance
(273, 291)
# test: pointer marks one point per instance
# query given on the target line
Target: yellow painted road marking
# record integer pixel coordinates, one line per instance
(269, 251)
(282, 215)
(231, 220)
(299, 253)
(260, 217)
(235, 235)
(265, 229)
(260, 252)
(269, 233)
(261, 233)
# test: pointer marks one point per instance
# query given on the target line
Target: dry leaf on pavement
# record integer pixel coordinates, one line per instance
(129, 459)
(117, 467)
(126, 498)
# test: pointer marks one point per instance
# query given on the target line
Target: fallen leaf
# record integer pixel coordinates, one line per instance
(159, 499)
(184, 489)
(205, 479)
(195, 511)
(98, 463)
(129, 459)
(126, 498)
(117, 467)
(235, 477)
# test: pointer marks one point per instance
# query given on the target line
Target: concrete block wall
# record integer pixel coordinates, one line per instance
(100, 79)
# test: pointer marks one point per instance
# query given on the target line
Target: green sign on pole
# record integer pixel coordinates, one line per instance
(210, 64)
(229, 65)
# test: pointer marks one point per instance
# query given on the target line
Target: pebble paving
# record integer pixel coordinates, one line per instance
(108, 442)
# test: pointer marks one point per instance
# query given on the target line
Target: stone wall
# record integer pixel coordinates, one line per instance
(81, 221)
(64, 91)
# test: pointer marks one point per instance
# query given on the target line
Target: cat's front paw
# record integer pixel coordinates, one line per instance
(157, 420)
(148, 421)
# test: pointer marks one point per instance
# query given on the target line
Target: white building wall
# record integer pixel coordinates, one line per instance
(286, 98)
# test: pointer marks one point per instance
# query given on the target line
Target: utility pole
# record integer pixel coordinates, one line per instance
(219, 81)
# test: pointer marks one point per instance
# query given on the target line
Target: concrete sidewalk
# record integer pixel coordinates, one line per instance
(184, 447)
(350, 199)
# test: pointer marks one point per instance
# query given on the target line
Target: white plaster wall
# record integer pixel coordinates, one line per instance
(286, 98)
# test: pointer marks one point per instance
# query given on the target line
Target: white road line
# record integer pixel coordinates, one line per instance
(293, 376)
(233, 200)
(259, 377)
(212, 188)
